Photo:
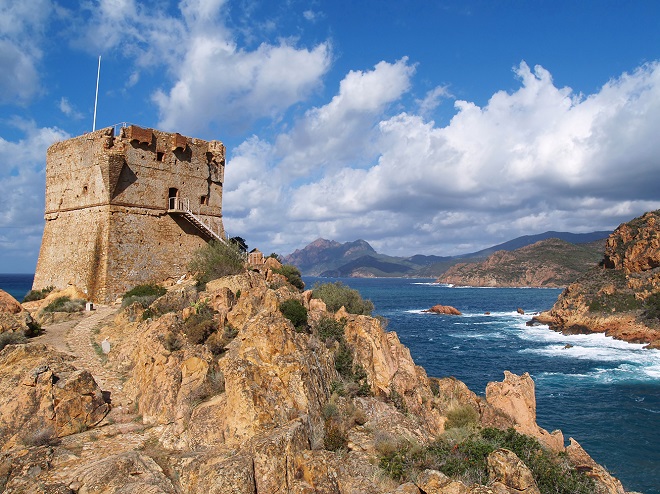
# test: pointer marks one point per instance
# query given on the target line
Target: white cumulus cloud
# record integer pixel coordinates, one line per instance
(21, 35)
(538, 158)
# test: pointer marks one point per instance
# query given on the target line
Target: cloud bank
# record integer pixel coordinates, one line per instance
(536, 159)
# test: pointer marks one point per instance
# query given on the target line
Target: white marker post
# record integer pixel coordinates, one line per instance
(96, 98)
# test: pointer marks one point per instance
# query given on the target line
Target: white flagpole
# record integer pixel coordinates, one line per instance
(96, 98)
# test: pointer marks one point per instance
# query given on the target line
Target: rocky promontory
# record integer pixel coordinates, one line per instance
(547, 263)
(621, 296)
(249, 385)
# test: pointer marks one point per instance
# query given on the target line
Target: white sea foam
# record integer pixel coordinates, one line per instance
(479, 336)
(633, 361)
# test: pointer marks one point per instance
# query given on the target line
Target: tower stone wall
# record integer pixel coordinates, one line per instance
(113, 206)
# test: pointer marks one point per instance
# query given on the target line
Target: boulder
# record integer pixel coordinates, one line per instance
(390, 369)
(43, 397)
(13, 317)
(217, 473)
(435, 482)
(444, 309)
(505, 468)
(128, 473)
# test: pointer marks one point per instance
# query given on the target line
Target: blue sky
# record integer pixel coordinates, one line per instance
(426, 127)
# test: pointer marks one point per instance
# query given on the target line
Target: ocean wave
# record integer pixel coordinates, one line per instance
(431, 283)
(598, 375)
(479, 336)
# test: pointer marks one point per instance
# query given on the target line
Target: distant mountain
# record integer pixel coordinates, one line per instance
(329, 258)
(369, 267)
(517, 243)
(547, 263)
(323, 255)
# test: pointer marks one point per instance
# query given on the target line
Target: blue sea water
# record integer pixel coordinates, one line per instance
(603, 392)
(17, 285)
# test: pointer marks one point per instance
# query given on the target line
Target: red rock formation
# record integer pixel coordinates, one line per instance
(444, 309)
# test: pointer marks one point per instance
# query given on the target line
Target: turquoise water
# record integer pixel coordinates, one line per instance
(604, 393)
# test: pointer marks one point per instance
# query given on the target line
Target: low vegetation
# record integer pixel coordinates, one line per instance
(292, 275)
(215, 260)
(354, 377)
(143, 294)
(38, 294)
(65, 304)
(12, 338)
(461, 415)
(201, 328)
(466, 460)
(337, 295)
(295, 312)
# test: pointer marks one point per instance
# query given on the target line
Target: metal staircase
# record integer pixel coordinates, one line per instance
(181, 207)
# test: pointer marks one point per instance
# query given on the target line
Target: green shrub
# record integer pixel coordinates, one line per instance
(335, 437)
(145, 295)
(616, 302)
(328, 328)
(65, 304)
(146, 290)
(295, 312)
(38, 294)
(344, 360)
(652, 306)
(335, 295)
(11, 338)
(292, 275)
(461, 416)
(215, 260)
(467, 461)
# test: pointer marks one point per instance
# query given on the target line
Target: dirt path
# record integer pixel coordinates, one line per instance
(76, 338)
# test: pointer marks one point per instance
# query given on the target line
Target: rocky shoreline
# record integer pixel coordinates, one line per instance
(621, 297)
(261, 406)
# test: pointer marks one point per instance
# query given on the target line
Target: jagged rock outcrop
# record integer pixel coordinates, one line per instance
(620, 298)
(515, 397)
(258, 408)
(547, 263)
(43, 397)
(13, 317)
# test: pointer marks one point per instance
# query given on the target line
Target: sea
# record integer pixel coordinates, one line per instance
(602, 392)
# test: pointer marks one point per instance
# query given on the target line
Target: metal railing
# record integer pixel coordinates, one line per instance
(182, 205)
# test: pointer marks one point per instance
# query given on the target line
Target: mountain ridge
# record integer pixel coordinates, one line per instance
(329, 258)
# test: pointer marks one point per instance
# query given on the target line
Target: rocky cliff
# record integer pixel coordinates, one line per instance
(547, 263)
(620, 297)
(218, 392)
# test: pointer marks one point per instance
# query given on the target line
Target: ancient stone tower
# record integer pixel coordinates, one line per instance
(127, 209)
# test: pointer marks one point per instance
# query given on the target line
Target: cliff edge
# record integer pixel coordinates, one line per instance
(217, 391)
(620, 297)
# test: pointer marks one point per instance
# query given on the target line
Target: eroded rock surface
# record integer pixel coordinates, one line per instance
(257, 406)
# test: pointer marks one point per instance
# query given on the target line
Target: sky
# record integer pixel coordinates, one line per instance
(422, 127)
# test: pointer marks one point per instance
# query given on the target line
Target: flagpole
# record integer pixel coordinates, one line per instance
(96, 98)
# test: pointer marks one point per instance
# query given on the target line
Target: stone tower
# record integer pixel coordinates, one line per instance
(128, 209)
